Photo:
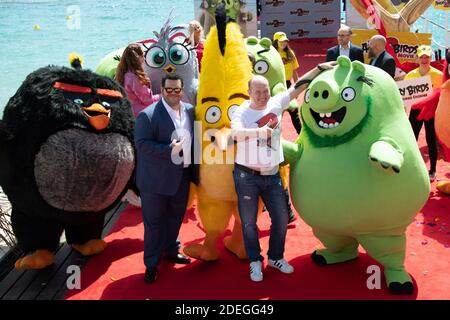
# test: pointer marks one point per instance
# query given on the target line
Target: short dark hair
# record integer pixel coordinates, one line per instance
(171, 77)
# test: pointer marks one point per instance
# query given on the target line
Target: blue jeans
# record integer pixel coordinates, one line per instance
(249, 188)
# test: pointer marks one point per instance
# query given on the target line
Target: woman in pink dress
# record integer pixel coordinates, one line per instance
(130, 74)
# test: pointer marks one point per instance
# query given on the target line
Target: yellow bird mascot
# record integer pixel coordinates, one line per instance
(223, 86)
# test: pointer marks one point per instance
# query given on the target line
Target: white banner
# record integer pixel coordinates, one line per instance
(300, 18)
(414, 90)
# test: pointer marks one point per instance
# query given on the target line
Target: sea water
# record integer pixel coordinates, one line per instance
(36, 33)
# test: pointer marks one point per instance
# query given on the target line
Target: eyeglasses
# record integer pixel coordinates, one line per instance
(176, 90)
(343, 35)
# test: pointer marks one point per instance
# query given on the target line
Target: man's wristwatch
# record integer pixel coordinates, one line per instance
(301, 82)
(320, 68)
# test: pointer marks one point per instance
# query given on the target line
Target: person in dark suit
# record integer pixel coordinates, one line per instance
(345, 47)
(163, 137)
(379, 56)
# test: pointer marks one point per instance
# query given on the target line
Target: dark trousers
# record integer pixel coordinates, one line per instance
(430, 135)
(163, 216)
(294, 114)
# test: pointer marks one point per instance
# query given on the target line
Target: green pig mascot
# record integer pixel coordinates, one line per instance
(357, 176)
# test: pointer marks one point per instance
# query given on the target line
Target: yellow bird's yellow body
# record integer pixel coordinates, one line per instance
(223, 86)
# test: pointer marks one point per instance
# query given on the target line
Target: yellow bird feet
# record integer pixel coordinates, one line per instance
(91, 247)
(443, 186)
(235, 246)
(201, 252)
(37, 260)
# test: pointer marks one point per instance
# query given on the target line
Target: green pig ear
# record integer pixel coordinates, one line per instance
(252, 41)
(266, 43)
(344, 61)
(358, 66)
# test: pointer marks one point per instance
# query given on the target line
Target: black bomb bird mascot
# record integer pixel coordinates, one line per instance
(66, 158)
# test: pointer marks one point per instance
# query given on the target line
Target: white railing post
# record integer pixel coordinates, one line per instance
(425, 25)
(447, 32)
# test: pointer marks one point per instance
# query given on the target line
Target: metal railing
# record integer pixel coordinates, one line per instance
(444, 28)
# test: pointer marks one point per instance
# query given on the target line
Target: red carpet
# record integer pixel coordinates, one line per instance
(118, 272)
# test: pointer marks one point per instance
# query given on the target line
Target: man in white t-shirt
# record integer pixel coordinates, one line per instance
(256, 126)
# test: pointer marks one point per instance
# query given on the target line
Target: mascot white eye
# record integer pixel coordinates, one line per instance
(78, 101)
(348, 94)
(155, 57)
(106, 104)
(231, 110)
(178, 54)
(261, 67)
(213, 114)
(307, 96)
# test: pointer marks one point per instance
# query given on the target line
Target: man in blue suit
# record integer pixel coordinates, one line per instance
(164, 143)
(345, 47)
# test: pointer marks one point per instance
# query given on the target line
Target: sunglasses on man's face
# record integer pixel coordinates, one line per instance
(176, 90)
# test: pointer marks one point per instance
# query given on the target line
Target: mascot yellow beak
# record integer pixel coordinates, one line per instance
(97, 116)
(222, 138)
(170, 69)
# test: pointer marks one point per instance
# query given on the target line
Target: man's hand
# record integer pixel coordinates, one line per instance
(177, 146)
(327, 65)
(304, 81)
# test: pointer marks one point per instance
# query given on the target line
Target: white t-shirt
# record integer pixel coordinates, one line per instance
(263, 154)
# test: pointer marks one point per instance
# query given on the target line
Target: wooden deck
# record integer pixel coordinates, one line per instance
(48, 283)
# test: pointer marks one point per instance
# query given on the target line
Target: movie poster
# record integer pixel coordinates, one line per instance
(404, 44)
(442, 4)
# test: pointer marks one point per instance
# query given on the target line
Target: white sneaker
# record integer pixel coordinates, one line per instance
(255, 271)
(132, 198)
(281, 265)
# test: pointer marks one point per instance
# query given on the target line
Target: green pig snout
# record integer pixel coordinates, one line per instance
(324, 95)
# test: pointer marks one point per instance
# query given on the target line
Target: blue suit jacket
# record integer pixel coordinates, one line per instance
(152, 136)
(356, 53)
(386, 62)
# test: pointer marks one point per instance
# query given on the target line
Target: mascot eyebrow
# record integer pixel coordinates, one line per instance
(366, 80)
(208, 99)
(80, 89)
(233, 96)
(262, 51)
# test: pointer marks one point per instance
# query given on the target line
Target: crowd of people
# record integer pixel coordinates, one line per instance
(163, 183)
